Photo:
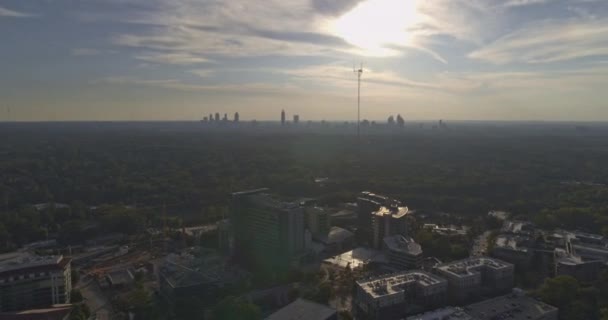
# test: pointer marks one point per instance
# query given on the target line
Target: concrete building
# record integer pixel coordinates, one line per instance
(338, 240)
(403, 253)
(571, 265)
(267, 232)
(389, 221)
(472, 278)
(28, 281)
(367, 203)
(399, 294)
(514, 249)
(317, 221)
(513, 307)
(305, 309)
(196, 271)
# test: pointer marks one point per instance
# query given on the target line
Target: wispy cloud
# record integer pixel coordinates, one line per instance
(86, 52)
(519, 3)
(4, 12)
(548, 41)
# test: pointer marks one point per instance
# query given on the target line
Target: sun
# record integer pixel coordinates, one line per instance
(375, 27)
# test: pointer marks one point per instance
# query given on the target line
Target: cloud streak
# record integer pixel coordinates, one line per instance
(4, 12)
(548, 41)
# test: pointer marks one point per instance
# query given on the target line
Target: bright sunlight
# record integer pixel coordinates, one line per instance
(374, 26)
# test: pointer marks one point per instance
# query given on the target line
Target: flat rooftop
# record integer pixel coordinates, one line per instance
(511, 242)
(395, 212)
(398, 282)
(402, 244)
(303, 310)
(356, 258)
(511, 306)
(470, 266)
(447, 313)
(22, 260)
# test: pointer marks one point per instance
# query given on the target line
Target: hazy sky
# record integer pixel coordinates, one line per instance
(423, 59)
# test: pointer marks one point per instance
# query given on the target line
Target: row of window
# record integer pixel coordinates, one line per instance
(25, 276)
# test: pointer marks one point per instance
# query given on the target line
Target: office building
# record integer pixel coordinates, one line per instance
(267, 232)
(217, 117)
(388, 221)
(403, 253)
(367, 204)
(514, 306)
(296, 119)
(236, 117)
(282, 117)
(317, 221)
(399, 294)
(474, 277)
(572, 265)
(304, 309)
(337, 240)
(29, 281)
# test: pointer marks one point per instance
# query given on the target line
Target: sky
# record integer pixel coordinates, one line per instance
(422, 59)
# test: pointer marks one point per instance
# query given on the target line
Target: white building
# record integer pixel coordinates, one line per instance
(402, 252)
(29, 281)
(398, 294)
(472, 277)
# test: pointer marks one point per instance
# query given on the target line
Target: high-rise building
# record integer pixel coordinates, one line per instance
(236, 117)
(217, 117)
(403, 253)
(225, 118)
(210, 117)
(296, 119)
(388, 221)
(267, 232)
(283, 117)
(29, 281)
(400, 121)
(396, 295)
(367, 203)
(391, 120)
(473, 277)
(317, 221)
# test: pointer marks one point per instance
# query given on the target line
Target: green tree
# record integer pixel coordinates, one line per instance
(234, 308)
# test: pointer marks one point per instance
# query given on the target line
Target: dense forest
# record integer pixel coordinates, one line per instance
(552, 175)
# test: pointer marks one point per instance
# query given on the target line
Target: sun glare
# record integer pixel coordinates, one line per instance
(374, 26)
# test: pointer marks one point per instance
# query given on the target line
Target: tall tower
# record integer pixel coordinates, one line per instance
(236, 117)
(217, 117)
(282, 117)
(359, 73)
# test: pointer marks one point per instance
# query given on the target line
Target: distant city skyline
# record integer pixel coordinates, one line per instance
(423, 59)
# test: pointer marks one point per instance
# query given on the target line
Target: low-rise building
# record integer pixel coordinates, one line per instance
(571, 265)
(472, 278)
(403, 253)
(29, 281)
(514, 249)
(514, 306)
(304, 309)
(337, 240)
(399, 294)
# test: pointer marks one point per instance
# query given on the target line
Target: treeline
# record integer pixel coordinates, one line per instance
(463, 172)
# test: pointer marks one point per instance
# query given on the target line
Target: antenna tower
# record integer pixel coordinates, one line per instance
(359, 73)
